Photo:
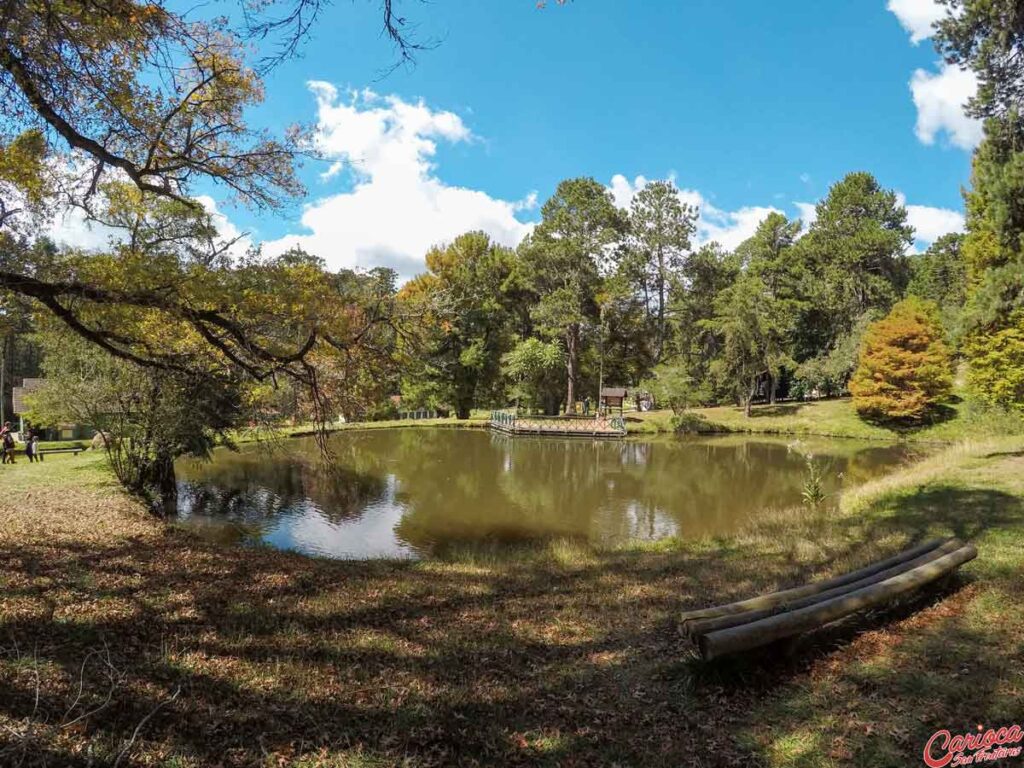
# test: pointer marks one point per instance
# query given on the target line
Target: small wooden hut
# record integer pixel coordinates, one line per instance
(613, 397)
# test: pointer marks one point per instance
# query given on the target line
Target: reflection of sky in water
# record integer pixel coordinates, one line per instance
(408, 493)
(304, 527)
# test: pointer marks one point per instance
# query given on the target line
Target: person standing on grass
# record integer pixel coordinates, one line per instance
(31, 444)
(7, 445)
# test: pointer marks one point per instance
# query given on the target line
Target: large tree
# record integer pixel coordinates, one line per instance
(987, 36)
(769, 255)
(854, 254)
(123, 109)
(564, 262)
(940, 275)
(754, 328)
(705, 275)
(466, 330)
(660, 228)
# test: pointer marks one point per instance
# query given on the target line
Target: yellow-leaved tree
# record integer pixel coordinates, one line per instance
(904, 369)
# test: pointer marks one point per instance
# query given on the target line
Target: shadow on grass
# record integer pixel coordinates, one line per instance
(878, 702)
(777, 409)
(936, 415)
(535, 662)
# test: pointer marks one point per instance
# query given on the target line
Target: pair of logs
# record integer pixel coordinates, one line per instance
(751, 623)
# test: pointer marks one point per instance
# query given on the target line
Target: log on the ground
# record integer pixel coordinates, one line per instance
(788, 595)
(783, 625)
(704, 626)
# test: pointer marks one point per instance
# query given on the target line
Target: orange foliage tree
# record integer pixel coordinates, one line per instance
(904, 368)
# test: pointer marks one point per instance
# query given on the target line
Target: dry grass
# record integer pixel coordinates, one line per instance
(123, 640)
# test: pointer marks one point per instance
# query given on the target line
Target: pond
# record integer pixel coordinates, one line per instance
(416, 492)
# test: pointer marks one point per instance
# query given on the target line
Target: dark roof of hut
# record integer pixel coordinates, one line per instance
(613, 392)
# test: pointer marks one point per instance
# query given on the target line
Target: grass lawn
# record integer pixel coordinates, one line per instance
(831, 418)
(124, 638)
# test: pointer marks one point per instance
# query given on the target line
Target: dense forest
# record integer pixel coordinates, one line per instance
(171, 337)
(597, 293)
(621, 296)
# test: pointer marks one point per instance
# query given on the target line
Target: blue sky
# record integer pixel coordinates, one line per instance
(747, 105)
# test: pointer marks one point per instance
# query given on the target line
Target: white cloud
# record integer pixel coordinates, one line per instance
(72, 229)
(623, 190)
(396, 207)
(939, 97)
(808, 213)
(917, 16)
(227, 232)
(728, 228)
(932, 223)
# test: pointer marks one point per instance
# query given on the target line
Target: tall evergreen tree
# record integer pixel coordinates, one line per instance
(754, 327)
(987, 36)
(770, 256)
(574, 246)
(706, 274)
(940, 275)
(660, 226)
(854, 258)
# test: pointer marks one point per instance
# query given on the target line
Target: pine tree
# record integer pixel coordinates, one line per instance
(904, 369)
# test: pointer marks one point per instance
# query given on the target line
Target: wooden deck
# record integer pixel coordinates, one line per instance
(511, 423)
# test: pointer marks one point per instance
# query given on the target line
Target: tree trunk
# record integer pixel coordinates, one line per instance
(661, 307)
(748, 404)
(551, 406)
(167, 484)
(572, 341)
(773, 388)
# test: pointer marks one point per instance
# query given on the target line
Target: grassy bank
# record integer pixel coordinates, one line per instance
(120, 636)
(831, 418)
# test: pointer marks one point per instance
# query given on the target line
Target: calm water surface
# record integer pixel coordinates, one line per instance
(413, 492)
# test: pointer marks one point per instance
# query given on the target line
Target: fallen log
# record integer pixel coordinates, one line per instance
(783, 625)
(703, 626)
(788, 595)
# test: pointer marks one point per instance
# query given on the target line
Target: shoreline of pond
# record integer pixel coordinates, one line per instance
(246, 629)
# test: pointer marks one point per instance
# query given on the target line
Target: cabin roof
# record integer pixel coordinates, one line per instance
(613, 392)
(18, 393)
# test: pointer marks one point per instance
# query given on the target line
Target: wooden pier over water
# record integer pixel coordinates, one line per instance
(512, 423)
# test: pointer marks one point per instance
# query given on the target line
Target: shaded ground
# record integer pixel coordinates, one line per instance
(122, 640)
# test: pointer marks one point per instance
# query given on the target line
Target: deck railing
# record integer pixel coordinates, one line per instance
(510, 421)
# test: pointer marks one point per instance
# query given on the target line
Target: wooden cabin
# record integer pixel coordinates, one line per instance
(613, 397)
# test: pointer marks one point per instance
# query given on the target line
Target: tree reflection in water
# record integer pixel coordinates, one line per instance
(417, 492)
